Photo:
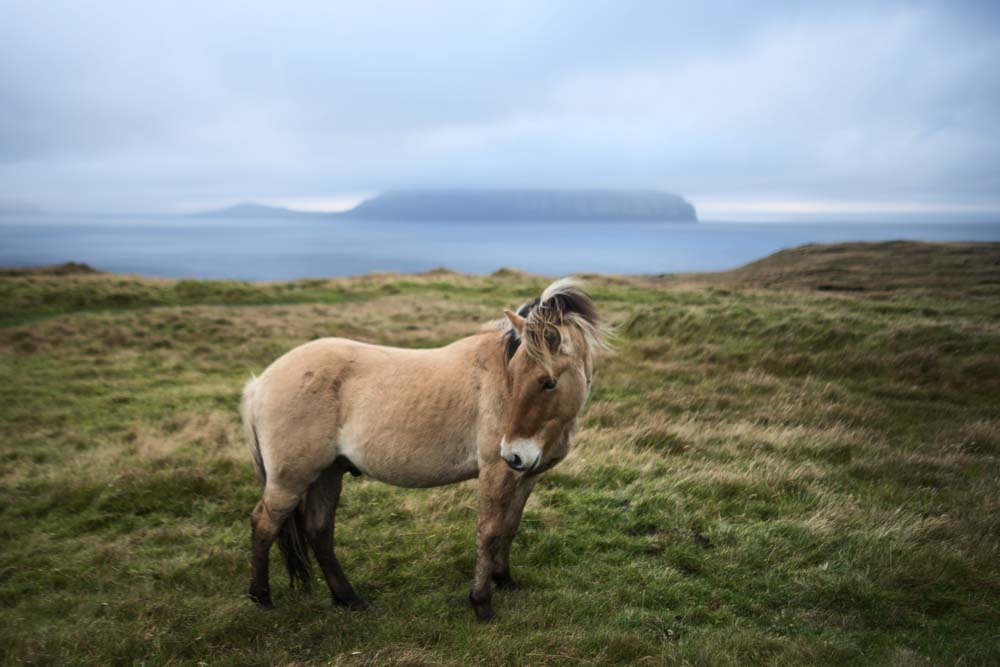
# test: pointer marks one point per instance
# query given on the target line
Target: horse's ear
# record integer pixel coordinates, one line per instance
(516, 321)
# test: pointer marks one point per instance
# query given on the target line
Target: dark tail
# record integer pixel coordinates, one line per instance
(292, 542)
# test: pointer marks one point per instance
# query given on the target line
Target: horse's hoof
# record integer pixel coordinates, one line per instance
(485, 614)
(359, 604)
(484, 611)
(354, 603)
(263, 603)
(507, 583)
(261, 598)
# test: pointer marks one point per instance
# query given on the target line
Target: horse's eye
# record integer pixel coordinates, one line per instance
(549, 385)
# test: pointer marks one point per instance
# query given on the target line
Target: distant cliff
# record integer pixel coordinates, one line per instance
(525, 205)
(253, 211)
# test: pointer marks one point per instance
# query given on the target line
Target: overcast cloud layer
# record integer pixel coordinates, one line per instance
(174, 106)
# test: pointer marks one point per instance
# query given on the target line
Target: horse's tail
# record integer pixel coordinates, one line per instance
(292, 542)
(250, 430)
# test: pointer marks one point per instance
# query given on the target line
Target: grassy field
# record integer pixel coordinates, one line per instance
(795, 462)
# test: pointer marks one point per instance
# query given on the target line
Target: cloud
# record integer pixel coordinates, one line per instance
(165, 105)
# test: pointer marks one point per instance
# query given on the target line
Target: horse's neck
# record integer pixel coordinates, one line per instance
(490, 363)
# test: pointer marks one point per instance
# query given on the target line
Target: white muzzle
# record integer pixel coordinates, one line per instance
(520, 454)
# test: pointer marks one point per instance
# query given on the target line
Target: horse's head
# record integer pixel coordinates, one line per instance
(552, 344)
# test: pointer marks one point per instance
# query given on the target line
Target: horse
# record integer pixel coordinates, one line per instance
(501, 405)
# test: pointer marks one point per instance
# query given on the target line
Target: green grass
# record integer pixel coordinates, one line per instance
(770, 470)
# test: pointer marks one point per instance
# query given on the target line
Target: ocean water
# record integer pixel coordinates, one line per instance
(262, 249)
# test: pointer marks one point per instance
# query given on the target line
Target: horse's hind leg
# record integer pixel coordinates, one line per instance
(266, 520)
(320, 514)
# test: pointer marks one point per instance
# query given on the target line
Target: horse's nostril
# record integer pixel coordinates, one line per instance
(516, 460)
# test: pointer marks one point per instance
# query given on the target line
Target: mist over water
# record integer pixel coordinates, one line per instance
(264, 249)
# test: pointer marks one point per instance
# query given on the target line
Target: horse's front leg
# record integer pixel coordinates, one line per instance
(497, 489)
(512, 520)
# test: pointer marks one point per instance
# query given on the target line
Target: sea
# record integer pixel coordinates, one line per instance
(287, 249)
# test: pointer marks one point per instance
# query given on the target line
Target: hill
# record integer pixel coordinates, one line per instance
(767, 472)
(969, 268)
(64, 269)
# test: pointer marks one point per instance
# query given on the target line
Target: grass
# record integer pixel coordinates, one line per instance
(792, 463)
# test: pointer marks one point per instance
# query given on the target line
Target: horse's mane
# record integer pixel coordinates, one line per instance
(563, 303)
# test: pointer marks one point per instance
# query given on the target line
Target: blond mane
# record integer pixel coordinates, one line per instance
(564, 303)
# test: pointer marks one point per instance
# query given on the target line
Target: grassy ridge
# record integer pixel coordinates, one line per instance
(775, 467)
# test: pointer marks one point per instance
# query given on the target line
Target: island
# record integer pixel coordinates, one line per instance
(474, 205)
(526, 205)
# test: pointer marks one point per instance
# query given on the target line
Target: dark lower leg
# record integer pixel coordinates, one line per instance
(261, 537)
(481, 595)
(323, 498)
(340, 588)
(501, 565)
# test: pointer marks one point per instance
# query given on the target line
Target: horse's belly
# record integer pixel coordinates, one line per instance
(418, 478)
(409, 462)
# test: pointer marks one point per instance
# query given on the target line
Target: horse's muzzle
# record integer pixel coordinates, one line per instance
(520, 455)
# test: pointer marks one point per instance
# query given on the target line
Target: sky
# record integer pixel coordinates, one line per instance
(753, 109)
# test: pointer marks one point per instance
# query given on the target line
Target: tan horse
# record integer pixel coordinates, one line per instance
(501, 405)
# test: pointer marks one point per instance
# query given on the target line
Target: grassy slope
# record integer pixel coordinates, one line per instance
(767, 471)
